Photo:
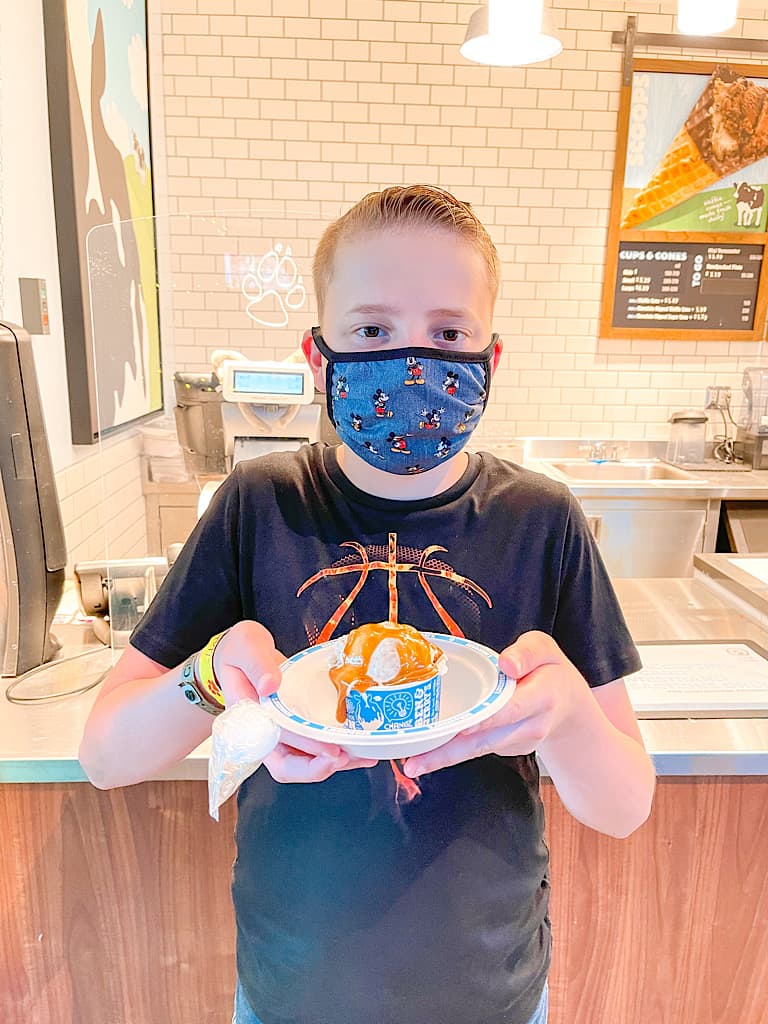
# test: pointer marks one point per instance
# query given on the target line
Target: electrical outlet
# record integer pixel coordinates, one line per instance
(717, 397)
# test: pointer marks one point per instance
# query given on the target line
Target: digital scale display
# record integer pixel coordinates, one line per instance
(267, 382)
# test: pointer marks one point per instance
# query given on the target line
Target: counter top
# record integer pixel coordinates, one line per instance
(39, 742)
(729, 576)
(715, 481)
(722, 485)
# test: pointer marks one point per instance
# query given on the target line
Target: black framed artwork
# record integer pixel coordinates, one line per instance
(98, 100)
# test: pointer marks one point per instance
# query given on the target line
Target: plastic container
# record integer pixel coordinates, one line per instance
(165, 458)
(168, 470)
(394, 707)
(160, 439)
(687, 438)
(754, 414)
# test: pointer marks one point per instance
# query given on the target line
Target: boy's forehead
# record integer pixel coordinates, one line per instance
(401, 240)
(370, 264)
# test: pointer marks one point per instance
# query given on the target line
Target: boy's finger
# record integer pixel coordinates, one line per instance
(528, 700)
(309, 746)
(514, 739)
(360, 762)
(235, 685)
(260, 662)
(287, 765)
(528, 652)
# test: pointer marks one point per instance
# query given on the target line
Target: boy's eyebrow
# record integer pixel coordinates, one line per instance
(372, 310)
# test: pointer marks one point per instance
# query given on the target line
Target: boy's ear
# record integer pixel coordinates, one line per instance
(498, 349)
(315, 360)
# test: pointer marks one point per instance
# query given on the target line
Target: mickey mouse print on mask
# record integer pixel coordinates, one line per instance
(406, 410)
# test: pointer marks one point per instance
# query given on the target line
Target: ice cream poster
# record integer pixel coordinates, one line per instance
(97, 72)
(697, 152)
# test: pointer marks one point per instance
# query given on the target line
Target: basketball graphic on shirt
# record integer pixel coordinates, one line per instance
(418, 571)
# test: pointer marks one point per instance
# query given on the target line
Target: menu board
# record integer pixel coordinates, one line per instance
(687, 286)
(688, 226)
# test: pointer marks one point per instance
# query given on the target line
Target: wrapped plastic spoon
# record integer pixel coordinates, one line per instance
(242, 737)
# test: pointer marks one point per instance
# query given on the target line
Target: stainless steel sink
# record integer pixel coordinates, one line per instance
(616, 472)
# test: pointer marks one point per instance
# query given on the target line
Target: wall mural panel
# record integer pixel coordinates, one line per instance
(96, 61)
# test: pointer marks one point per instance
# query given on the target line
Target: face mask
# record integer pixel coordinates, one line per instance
(406, 410)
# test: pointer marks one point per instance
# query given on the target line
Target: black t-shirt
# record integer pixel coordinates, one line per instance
(350, 905)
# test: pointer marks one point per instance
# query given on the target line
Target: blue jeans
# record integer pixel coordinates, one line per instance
(244, 1014)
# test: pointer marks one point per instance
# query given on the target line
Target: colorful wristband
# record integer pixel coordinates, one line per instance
(194, 692)
(206, 676)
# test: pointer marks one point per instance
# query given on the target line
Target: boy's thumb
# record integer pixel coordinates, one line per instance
(235, 685)
(531, 650)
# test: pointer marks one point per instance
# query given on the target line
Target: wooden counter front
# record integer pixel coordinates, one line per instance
(116, 907)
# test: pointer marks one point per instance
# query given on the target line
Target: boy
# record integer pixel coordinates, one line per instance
(351, 906)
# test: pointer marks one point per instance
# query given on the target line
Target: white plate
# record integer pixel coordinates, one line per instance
(472, 690)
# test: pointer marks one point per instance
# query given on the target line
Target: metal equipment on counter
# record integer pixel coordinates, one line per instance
(199, 422)
(243, 409)
(33, 553)
(752, 429)
(117, 593)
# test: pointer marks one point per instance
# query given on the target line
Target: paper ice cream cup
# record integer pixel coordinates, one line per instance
(387, 708)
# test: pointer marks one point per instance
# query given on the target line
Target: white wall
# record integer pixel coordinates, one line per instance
(26, 210)
(99, 490)
(316, 102)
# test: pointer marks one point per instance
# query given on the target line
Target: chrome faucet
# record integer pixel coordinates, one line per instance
(599, 451)
(595, 451)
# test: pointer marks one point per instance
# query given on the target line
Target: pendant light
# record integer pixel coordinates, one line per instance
(510, 33)
(706, 17)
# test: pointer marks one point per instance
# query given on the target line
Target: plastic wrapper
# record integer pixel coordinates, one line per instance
(242, 737)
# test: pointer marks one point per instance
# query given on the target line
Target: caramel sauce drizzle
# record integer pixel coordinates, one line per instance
(418, 658)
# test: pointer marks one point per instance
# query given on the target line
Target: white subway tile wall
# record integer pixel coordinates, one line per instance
(276, 115)
(102, 505)
(309, 104)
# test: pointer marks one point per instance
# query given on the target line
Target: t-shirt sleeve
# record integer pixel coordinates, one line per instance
(589, 625)
(200, 595)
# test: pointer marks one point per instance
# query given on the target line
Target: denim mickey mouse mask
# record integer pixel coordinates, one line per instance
(405, 410)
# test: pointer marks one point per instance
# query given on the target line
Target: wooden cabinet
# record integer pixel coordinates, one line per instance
(746, 525)
(116, 907)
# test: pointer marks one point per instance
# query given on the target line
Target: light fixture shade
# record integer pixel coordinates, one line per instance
(706, 17)
(513, 38)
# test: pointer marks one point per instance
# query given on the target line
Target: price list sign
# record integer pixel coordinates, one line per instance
(688, 228)
(687, 286)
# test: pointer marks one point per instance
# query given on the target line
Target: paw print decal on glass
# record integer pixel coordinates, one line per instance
(275, 288)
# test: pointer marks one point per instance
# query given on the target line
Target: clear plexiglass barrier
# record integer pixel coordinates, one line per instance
(171, 300)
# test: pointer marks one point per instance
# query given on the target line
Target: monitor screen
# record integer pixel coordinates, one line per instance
(267, 382)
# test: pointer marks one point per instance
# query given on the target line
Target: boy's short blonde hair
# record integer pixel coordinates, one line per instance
(401, 206)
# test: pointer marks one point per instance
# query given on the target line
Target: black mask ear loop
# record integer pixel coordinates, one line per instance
(487, 366)
(330, 359)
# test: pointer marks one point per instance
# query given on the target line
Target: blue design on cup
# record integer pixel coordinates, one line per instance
(387, 708)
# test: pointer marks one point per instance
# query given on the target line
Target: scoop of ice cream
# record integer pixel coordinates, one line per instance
(724, 121)
(385, 664)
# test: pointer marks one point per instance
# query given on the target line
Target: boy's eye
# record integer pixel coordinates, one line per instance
(370, 331)
(450, 334)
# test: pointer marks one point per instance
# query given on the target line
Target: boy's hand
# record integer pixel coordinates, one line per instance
(549, 690)
(299, 759)
(247, 666)
(246, 663)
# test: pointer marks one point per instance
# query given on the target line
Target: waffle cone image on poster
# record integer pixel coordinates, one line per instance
(726, 130)
(382, 654)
